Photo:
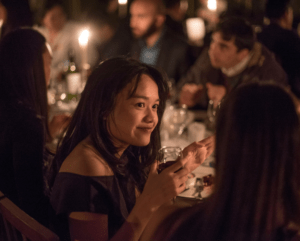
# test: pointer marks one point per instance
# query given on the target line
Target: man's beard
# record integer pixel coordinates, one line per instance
(151, 30)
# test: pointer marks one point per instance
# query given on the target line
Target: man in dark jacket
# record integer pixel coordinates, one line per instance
(155, 44)
(234, 57)
(279, 37)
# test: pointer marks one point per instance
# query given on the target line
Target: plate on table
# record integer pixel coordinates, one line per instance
(199, 184)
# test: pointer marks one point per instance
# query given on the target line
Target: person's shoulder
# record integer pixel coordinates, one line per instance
(175, 38)
(261, 55)
(275, 34)
(85, 160)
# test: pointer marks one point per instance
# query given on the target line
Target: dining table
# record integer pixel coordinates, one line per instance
(195, 191)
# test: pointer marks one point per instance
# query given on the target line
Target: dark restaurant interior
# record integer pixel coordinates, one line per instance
(142, 120)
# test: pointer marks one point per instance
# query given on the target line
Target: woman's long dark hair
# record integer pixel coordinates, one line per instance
(97, 102)
(18, 15)
(22, 77)
(257, 186)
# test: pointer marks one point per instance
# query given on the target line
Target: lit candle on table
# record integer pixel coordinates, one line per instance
(212, 5)
(195, 30)
(122, 8)
(1, 23)
(83, 42)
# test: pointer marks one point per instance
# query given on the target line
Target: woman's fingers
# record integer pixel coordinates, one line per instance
(207, 141)
(209, 144)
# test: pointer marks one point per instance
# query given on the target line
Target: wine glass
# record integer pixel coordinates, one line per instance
(167, 156)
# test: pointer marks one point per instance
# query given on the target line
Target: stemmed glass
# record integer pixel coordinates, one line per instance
(177, 120)
(212, 112)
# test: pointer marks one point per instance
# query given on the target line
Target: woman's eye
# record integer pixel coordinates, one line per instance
(155, 106)
(140, 105)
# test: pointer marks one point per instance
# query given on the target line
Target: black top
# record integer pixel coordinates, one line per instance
(286, 46)
(21, 160)
(96, 194)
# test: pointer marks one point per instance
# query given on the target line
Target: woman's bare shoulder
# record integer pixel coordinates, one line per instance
(86, 160)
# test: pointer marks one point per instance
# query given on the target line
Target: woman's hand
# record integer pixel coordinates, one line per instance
(198, 151)
(161, 188)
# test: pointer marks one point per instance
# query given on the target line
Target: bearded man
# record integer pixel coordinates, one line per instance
(154, 43)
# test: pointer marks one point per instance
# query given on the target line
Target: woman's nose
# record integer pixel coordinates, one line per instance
(150, 114)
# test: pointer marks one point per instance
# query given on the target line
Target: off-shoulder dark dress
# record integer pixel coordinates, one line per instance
(97, 194)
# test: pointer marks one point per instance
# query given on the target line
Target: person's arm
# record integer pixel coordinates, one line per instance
(215, 92)
(190, 94)
(194, 74)
(190, 87)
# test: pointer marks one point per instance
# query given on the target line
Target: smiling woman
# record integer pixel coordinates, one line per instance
(107, 157)
(134, 118)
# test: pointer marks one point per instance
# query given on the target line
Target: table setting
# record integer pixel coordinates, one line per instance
(178, 130)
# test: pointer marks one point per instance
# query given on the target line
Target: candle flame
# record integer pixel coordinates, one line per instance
(84, 37)
(212, 5)
(122, 1)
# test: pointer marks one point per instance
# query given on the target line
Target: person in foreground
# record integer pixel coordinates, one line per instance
(24, 75)
(256, 189)
(107, 183)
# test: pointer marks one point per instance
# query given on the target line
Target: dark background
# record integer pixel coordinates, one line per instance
(251, 9)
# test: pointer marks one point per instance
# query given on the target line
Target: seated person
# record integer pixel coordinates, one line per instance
(155, 43)
(234, 57)
(25, 61)
(284, 42)
(14, 14)
(256, 184)
(61, 34)
(105, 170)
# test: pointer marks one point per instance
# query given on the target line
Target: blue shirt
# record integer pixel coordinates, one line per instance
(150, 55)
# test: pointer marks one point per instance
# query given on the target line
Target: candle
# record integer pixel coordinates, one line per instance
(212, 5)
(83, 42)
(1, 23)
(122, 8)
(195, 30)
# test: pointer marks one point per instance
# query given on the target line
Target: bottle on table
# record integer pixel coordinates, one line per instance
(73, 78)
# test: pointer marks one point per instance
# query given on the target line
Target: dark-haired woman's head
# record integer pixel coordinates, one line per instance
(22, 69)
(16, 14)
(257, 160)
(122, 103)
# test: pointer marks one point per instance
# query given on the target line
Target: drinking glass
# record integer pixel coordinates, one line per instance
(212, 111)
(167, 156)
(177, 120)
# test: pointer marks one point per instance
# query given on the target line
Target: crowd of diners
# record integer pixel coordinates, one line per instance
(103, 173)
